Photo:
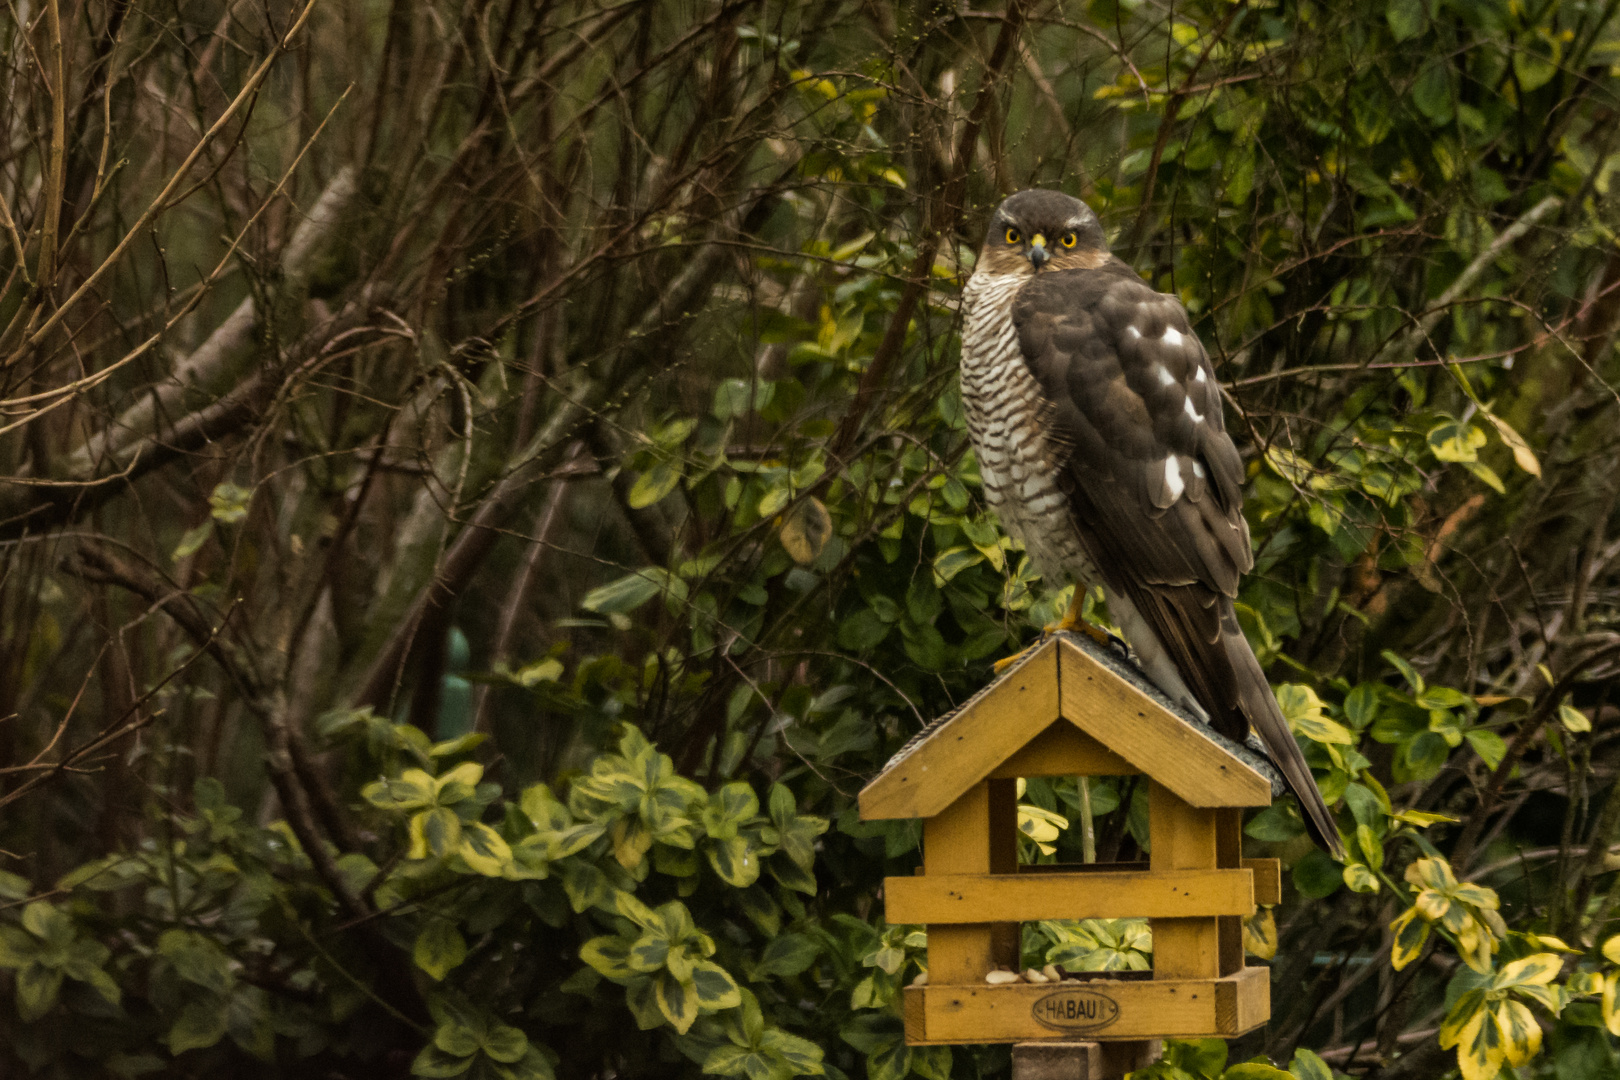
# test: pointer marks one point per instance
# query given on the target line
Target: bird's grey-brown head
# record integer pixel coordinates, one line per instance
(1039, 230)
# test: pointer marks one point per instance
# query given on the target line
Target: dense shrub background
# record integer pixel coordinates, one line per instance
(482, 485)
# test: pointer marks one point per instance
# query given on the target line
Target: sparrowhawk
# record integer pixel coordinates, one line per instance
(1096, 419)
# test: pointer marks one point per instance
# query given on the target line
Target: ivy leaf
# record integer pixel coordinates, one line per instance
(439, 948)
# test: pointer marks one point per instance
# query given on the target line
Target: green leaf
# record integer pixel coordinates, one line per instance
(862, 631)
(505, 1043)
(197, 959)
(200, 1024)
(787, 955)
(1406, 18)
(1254, 1070)
(653, 485)
(433, 1062)
(37, 987)
(1317, 875)
(439, 948)
(631, 591)
(1277, 823)
(1308, 1066)
(1574, 720)
(1488, 745)
(193, 540)
(230, 504)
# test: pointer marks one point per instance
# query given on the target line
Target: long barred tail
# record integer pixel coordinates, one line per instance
(1259, 705)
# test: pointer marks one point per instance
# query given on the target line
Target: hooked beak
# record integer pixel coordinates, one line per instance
(1037, 251)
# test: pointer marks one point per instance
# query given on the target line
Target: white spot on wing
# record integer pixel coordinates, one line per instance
(1187, 405)
(1134, 332)
(1172, 477)
(1165, 377)
(1198, 375)
(1198, 470)
(1172, 336)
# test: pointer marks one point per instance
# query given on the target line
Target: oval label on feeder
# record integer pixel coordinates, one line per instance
(1076, 1010)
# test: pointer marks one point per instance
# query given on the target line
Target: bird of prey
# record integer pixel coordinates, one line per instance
(1097, 423)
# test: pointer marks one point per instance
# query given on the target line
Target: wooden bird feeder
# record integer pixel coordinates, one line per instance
(1072, 708)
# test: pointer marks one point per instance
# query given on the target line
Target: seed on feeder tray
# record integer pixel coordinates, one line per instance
(1001, 978)
(921, 979)
(1052, 974)
(1071, 982)
(1034, 975)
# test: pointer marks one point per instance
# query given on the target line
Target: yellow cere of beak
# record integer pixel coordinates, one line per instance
(1038, 240)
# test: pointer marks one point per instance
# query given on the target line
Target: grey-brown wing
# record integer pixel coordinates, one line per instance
(1155, 486)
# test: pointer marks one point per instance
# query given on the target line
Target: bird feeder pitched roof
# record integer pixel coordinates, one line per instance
(1070, 707)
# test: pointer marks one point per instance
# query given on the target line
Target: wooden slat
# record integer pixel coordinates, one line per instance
(1006, 938)
(967, 749)
(1101, 1009)
(1229, 855)
(1151, 738)
(1267, 880)
(957, 841)
(967, 898)
(1064, 750)
(1183, 837)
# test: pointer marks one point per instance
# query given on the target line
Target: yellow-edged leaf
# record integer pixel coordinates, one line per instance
(1611, 1013)
(1521, 1035)
(1479, 1050)
(1260, 934)
(1523, 456)
(1462, 1014)
(1537, 970)
(1410, 932)
(1611, 950)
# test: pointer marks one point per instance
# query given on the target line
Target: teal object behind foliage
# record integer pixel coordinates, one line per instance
(455, 695)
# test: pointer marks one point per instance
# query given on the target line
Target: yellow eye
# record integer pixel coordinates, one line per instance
(1069, 240)
(1012, 236)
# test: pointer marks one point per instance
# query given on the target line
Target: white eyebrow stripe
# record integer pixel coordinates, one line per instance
(1165, 378)
(1172, 336)
(1172, 477)
(1187, 406)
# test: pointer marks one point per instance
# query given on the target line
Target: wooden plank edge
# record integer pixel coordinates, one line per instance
(946, 899)
(1237, 1004)
(1240, 786)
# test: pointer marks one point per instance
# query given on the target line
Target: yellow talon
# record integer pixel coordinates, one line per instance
(1071, 621)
